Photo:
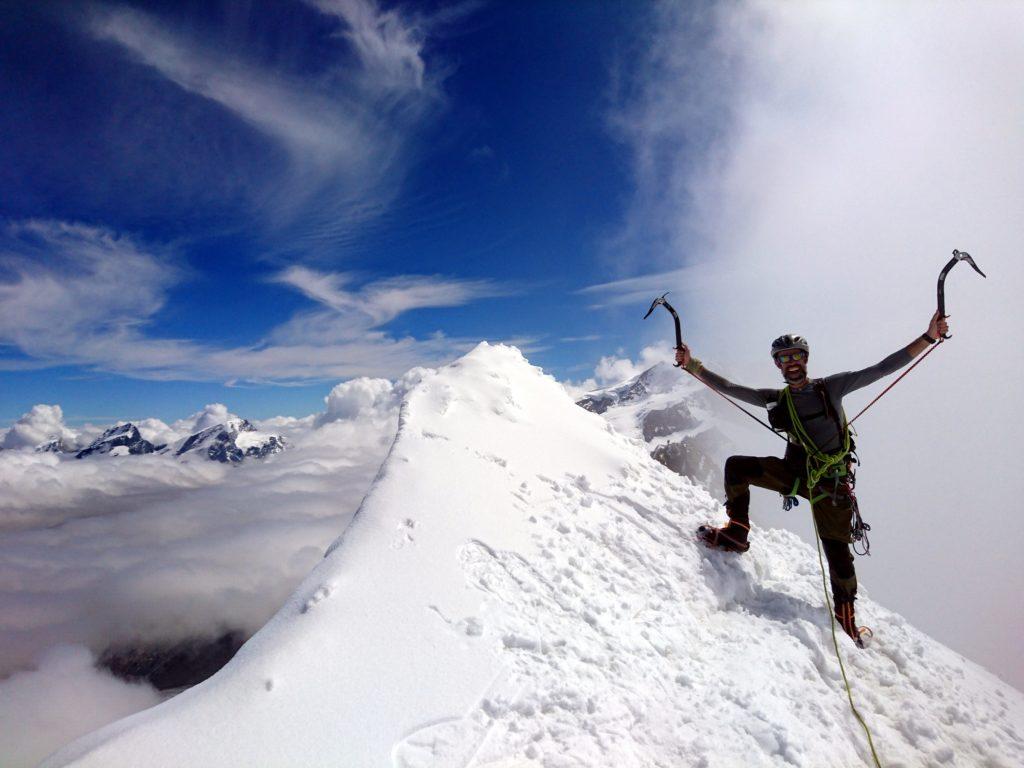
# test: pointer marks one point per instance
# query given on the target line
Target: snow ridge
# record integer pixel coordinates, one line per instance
(521, 588)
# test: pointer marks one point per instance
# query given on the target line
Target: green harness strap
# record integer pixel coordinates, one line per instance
(826, 463)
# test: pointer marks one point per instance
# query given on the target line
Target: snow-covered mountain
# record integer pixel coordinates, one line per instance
(55, 445)
(120, 440)
(521, 587)
(232, 441)
(672, 413)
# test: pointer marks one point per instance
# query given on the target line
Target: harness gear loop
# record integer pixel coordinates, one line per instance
(789, 500)
(860, 532)
(827, 463)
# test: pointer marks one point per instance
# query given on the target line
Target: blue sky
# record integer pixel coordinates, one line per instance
(247, 202)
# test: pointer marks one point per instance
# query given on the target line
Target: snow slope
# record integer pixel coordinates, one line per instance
(521, 588)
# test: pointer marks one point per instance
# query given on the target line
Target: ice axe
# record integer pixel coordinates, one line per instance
(957, 257)
(660, 301)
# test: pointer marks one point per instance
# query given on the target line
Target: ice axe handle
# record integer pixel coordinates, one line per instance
(675, 319)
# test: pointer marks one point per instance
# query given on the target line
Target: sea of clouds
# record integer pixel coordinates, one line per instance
(113, 552)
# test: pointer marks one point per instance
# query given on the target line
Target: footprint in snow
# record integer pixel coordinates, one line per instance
(321, 594)
(404, 535)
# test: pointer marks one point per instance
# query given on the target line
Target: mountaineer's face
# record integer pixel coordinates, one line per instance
(793, 364)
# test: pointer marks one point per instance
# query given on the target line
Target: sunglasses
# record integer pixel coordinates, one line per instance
(796, 357)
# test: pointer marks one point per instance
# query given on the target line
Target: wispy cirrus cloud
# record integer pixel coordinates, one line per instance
(63, 284)
(389, 46)
(72, 294)
(317, 129)
(344, 129)
(383, 300)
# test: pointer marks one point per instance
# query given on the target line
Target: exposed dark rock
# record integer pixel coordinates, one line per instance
(596, 403)
(126, 435)
(693, 457)
(668, 421)
(178, 665)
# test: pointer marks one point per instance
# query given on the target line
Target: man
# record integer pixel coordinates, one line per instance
(811, 413)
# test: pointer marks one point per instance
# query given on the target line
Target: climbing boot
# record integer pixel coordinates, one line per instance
(731, 538)
(845, 618)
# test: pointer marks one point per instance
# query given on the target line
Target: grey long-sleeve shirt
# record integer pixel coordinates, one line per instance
(808, 403)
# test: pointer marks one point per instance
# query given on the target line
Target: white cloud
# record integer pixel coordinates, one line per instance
(65, 697)
(811, 173)
(364, 398)
(44, 489)
(358, 396)
(77, 295)
(314, 127)
(380, 301)
(612, 370)
(388, 45)
(616, 369)
(74, 289)
(41, 424)
(578, 389)
(210, 416)
(149, 548)
(157, 432)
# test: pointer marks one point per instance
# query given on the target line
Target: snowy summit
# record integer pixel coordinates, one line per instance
(521, 587)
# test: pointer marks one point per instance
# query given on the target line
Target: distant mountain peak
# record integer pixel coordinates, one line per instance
(665, 408)
(119, 440)
(231, 442)
(55, 445)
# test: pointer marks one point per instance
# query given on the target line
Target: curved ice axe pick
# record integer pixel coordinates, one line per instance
(675, 317)
(957, 256)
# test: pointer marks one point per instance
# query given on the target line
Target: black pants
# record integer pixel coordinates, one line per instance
(833, 514)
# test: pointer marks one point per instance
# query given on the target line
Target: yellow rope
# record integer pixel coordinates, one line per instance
(835, 643)
(825, 463)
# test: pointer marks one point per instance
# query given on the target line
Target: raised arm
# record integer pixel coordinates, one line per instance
(758, 397)
(844, 383)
